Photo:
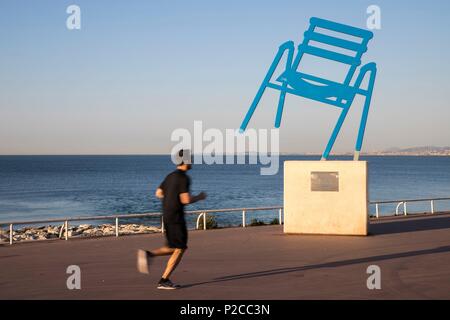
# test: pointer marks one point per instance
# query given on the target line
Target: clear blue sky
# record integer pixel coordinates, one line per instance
(139, 69)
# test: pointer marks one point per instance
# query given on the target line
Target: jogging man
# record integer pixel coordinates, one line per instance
(174, 192)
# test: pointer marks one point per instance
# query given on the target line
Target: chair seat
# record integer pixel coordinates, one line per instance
(314, 89)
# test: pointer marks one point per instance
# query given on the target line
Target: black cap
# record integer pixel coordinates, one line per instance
(184, 157)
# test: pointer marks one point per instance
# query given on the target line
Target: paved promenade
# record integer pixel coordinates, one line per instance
(236, 263)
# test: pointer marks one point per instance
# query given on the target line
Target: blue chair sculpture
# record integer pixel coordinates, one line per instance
(312, 87)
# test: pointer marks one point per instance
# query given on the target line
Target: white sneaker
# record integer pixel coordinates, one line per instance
(142, 261)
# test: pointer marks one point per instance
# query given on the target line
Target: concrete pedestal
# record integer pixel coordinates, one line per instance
(326, 197)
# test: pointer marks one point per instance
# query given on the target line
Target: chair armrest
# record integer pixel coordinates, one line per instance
(369, 67)
(286, 46)
(289, 46)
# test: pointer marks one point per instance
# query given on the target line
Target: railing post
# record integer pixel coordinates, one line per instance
(398, 206)
(432, 206)
(404, 208)
(162, 224)
(117, 227)
(377, 212)
(197, 224)
(243, 218)
(11, 234)
(204, 220)
(66, 227)
(279, 216)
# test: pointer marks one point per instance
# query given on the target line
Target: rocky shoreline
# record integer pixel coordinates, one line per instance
(83, 230)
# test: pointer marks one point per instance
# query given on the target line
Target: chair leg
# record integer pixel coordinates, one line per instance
(336, 130)
(289, 46)
(362, 128)
(252, 108)
(362, 125)
(280, 107)
(372, 69)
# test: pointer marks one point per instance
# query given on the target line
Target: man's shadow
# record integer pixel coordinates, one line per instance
(272, 272)
(376, 229)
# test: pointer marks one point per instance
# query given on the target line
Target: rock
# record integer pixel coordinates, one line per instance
(73, 233)
(52, 232)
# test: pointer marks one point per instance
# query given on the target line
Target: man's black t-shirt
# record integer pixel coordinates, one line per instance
(175, 183)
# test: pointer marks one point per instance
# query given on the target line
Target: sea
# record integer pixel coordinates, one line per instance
(46, 187)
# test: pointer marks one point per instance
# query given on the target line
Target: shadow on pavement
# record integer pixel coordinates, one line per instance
(335, 264)
(412, 225)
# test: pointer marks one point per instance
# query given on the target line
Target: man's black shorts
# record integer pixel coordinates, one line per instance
(176, 235)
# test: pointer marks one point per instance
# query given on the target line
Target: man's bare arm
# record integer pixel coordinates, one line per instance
(187, 198)
(159, 193)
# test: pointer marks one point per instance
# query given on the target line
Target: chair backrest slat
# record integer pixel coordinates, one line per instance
(343, 28)
(327, 54)
(333, 41)
(323, 47)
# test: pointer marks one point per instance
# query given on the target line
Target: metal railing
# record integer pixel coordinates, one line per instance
(202, 214)
(65, 227)
(403, 202)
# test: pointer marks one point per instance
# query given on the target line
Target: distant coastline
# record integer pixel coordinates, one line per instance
(426, 151)
(413, 151)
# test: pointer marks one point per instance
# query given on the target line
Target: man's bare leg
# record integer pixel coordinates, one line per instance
(163, 251)
(143, 255)
(173, 262)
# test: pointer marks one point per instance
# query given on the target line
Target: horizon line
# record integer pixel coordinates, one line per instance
(374, 153)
